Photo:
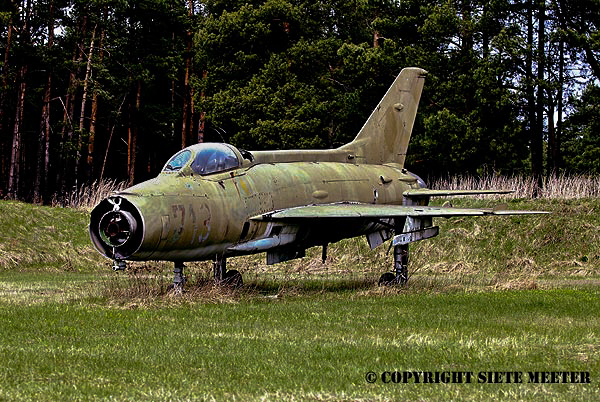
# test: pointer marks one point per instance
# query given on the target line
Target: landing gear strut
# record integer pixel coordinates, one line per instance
(407, 230)
(222, 276)
(401, 263)
(178, 278)
(400, 274)
(231, 278)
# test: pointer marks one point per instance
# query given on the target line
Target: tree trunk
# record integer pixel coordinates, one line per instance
(66, 136)
(86, 83)
(133, 131)
(537, 157)
(4, 145)
(15, 157)
(43, 162)
(201, 120)
(110, 137)
(551, 150)
(534, 133)
(561, 84)
(186, 128)
(94, 115)
(5, 71)
(557, 158)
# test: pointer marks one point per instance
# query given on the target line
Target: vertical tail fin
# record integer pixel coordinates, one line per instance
(385, 136)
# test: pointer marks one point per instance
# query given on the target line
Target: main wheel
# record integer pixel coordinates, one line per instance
(172, 288)
(233, 278)
(387, 279)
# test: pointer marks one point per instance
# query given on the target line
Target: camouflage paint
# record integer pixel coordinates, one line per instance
(281, 202)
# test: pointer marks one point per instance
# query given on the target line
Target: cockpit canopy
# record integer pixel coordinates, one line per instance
(206, 158)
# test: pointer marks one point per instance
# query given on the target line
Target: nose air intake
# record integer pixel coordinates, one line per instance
(116, 228)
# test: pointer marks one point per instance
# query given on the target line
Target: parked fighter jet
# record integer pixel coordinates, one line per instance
(213, 201)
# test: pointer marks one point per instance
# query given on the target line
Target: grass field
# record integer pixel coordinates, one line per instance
(513, 294)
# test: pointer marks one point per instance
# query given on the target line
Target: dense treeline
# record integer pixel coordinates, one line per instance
(111, 88)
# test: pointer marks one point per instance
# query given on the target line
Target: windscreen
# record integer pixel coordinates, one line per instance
(178, 161)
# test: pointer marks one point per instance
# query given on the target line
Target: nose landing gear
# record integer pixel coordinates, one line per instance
(119, 265)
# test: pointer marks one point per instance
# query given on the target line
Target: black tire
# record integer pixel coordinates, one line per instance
(233, 278)
(171, 288)
(387, 279)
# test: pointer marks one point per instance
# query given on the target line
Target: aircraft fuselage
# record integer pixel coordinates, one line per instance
(181, 216)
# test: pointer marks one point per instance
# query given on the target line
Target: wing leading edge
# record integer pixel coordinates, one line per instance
(372, 211)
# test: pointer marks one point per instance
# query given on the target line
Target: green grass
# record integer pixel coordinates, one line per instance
(567, 242)
(301, 347)
(490, 294)
(35, 238)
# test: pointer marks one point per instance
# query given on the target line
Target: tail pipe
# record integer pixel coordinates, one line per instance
(116, 228)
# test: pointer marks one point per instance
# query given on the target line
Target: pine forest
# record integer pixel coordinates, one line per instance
(94, 90)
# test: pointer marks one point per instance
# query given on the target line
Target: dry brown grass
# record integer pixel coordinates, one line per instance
(556, 187)
(147, 284)
(87, 196)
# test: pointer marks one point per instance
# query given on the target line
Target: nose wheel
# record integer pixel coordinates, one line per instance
(178, 278)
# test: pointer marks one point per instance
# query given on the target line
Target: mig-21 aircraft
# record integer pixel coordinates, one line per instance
(212, 201)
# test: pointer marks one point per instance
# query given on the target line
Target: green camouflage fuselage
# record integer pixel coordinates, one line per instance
(206, 202)
(189, 217)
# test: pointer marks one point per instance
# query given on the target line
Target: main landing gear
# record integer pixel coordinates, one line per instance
(400, 274)
(408, 230)
(231, 278)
